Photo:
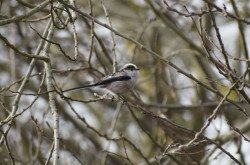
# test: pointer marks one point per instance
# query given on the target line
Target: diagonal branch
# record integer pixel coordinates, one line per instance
(31, 56)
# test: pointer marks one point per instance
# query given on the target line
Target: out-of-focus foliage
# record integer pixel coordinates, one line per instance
(193, 58)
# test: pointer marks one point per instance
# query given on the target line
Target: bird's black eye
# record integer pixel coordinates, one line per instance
(130, 68)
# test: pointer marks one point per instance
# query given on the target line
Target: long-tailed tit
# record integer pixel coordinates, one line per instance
(119, 82)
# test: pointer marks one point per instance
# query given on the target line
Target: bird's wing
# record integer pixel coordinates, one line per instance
(109, 79)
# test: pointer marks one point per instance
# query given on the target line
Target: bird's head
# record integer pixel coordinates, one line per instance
(131, 69)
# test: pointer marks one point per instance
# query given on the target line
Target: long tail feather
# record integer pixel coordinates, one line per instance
(76, 88)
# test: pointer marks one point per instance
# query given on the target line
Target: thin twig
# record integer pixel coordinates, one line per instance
(8, 148)
(112, 36)
(50, 154)
(225, 13)
(91, 46)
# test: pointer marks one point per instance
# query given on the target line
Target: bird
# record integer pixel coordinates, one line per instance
(117, 83)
